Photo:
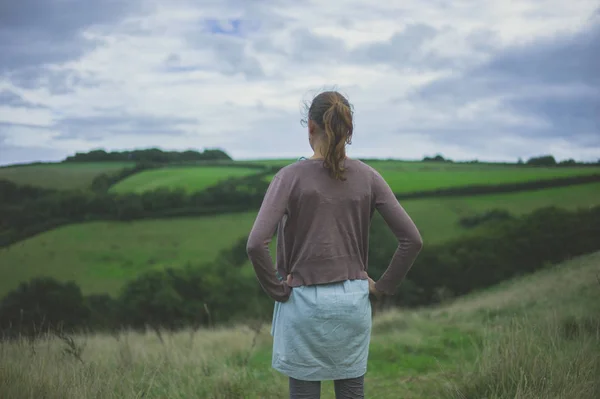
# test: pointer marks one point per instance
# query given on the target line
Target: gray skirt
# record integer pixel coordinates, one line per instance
(323, 332)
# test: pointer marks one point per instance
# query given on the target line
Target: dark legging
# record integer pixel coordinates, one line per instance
(353, 388)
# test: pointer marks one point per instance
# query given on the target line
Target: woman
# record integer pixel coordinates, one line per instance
(322, 209)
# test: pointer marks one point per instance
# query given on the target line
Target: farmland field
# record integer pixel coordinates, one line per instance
(506, 342)
(190, 179)
(406, 177)
(101, 256)
(60, 176)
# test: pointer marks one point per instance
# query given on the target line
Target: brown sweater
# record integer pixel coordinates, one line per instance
(323, 228)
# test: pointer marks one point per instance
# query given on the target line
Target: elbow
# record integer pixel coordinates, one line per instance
(418, 242)
(415, 241)
(253, 247)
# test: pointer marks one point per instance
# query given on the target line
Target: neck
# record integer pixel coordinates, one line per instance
(318, 152)
(319, 155)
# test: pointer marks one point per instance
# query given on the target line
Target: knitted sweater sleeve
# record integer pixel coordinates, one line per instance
(407, 234)
(271, 212)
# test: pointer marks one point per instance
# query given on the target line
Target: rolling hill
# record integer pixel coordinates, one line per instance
(101, 256)
(190, 179)
(407, 177)
(60, 176)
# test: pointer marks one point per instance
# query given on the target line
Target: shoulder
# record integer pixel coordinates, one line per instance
(289, 175)
(293, 170)
(370, 172)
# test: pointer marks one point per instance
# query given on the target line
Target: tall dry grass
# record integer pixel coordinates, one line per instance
(532, 359)
(208, 364)
(537, 337)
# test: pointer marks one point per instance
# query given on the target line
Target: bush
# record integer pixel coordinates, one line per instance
(505, 250)
(42, 305)
(486, 217)
(545, 160)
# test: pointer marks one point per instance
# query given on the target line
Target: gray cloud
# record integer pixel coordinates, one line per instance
(554, 81)
(56, 81)
(229, 48)
(403, 48)
(12, 99)
(98, 127)
(35, 33)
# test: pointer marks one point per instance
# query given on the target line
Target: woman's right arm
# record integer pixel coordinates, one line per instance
(407, 234)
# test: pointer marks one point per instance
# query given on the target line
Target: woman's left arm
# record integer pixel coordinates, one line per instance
(270, 214)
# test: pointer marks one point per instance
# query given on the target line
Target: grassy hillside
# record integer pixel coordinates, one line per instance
(60, 175)
(406, 177)
(190, 179)
(536, 337)
(101, 256)
(402, 176)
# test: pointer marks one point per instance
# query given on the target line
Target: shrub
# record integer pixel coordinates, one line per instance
(42, 305)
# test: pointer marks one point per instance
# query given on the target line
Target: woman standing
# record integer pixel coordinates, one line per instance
(322, 209)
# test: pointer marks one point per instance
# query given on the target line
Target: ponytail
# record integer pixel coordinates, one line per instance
(338, 124)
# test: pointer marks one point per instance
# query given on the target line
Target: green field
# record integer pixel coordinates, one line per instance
(406, 177)
(61, 176)
(510, 342)
(101, 256)
(403, 176)
(191, 179)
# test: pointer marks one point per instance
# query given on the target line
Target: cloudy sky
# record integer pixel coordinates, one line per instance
(492, 80)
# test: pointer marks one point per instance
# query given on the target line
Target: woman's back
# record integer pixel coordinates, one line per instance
(324, 235)
(323, 226)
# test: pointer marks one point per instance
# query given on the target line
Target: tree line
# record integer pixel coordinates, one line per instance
(152, 155)
(226, 289)
(541, 160)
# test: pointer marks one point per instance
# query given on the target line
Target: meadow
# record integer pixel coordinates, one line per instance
(402, 176)
(406, 177)
(190, 179)
(60, 176)
(102, 256)
(533, 337)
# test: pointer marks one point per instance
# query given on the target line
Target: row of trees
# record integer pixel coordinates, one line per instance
(549, 160)
(153, 155)
(227, 290)
(543, 160)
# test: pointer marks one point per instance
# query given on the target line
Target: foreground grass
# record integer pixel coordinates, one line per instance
(102, 256)
(190, 179)
(60, 176)
(547, 349)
